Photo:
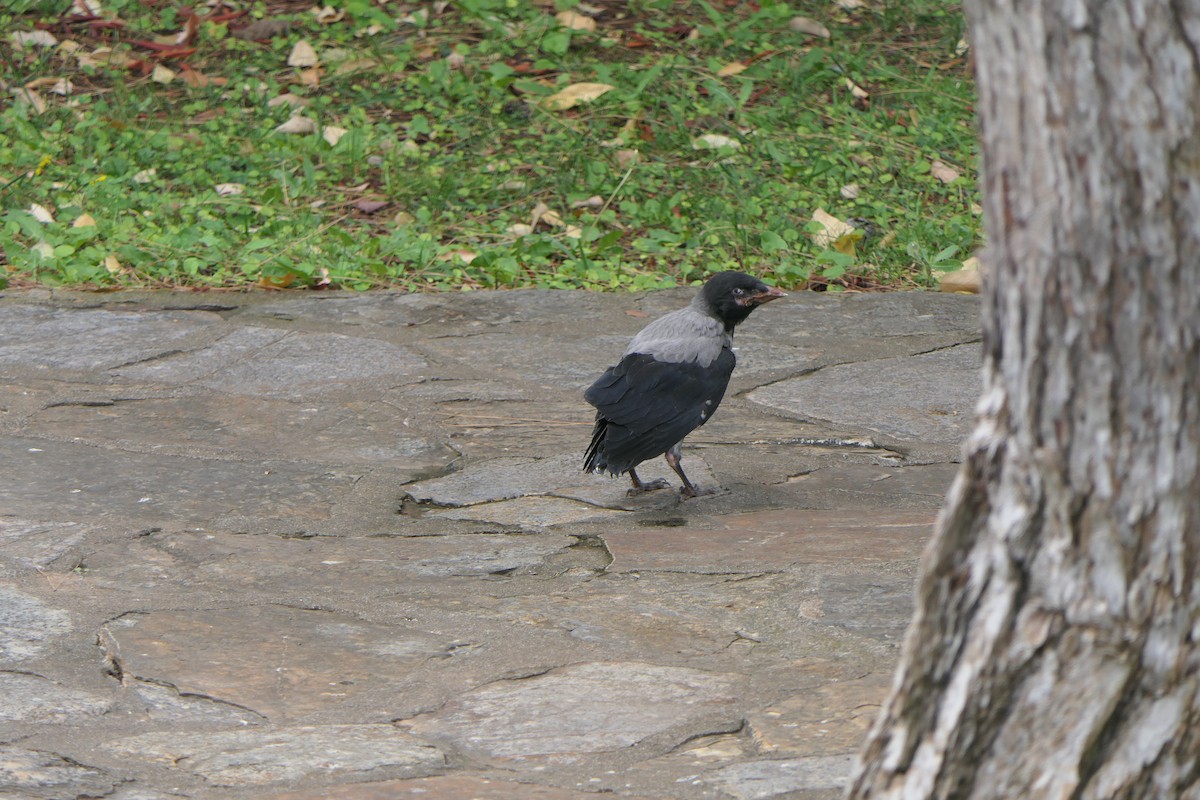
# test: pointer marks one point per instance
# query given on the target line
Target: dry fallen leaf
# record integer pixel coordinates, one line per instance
(227, 189)
(627, 158)
(809, 26)
(520, 229)
(303, 55)
(43, 250)
(712, 141)
(595, 201)
(311, 77)
(104, 57)
(465, 256)
(297, 124)
(292, 100)
(850, 191)
(327, 15)
(112, 265)
(84, 220)
(162, 75)
(575, 21)
(833, 230)
(27, 40)
(263, 29)
(856, 90)
(965, 280)
(30, 98)
(145, 175)
(575, 94)
(332, 134)
(943, 172)
(732, 68)
(370, 206)
(633, 312)
(41, 213)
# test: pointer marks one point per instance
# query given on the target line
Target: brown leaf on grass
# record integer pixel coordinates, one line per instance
(732, 68)
(311, 77)
(84, 220)
(327, 15)
(28, 40)
(465, 256)
(964, 281)
(30, 98)
(575, 94)
(333, 134)
(943, 172)
(370, 206)
(262, 29)
(303, 55)
(575, 21)
(297, 125)
(834, 234)
(808, 26)
(292, 100)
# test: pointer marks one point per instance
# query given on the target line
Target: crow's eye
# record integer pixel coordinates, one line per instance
(738, 292)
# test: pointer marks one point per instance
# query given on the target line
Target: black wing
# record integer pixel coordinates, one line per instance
(645, 406)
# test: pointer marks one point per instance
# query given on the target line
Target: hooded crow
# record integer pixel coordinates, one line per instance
(670, 380)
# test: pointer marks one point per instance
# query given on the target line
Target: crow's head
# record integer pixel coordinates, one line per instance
(731, 296)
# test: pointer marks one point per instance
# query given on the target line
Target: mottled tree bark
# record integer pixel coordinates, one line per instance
(1053, 653)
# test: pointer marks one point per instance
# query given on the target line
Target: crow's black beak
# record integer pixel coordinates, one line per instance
(758, 298)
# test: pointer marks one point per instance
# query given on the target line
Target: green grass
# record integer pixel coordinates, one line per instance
(449, 145)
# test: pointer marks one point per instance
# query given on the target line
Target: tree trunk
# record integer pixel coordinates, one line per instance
(1053, 653)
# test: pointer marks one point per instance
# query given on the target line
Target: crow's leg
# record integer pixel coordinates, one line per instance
(639, 487)
(688, 490)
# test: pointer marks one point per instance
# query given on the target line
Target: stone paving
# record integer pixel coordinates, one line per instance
(333, 546)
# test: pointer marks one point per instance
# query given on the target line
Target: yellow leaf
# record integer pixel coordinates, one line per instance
(575, 94)
(732, 68)
(84, 221)
(112, 265)
(575, 21)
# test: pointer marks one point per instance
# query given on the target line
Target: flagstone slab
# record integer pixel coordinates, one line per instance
(772, 541)
(582, 708)
(28, 626)
(35, 774)
(441, 787)
(281, 663)
(31, 698)
(927, 398)
(254, 757)
(58, 340)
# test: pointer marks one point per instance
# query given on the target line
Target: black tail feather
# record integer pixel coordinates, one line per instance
(593, 459)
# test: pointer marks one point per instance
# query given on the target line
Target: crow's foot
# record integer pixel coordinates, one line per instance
(647, 486)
